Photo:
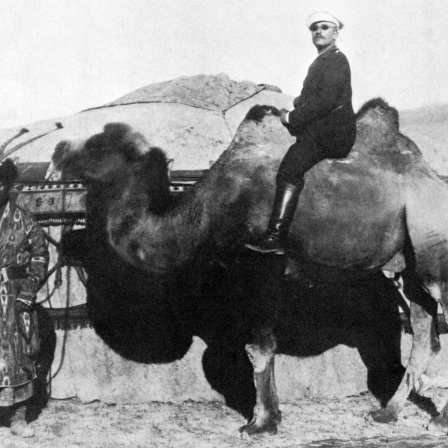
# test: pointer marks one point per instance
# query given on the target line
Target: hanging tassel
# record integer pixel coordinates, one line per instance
(19, 134)
(70, 318)
(20, 145)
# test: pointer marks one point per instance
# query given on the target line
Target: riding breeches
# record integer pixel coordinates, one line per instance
(304, 154)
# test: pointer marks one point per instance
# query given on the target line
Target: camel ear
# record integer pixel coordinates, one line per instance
(60, 152)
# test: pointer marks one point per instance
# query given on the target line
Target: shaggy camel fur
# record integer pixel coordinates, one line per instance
(381, 204)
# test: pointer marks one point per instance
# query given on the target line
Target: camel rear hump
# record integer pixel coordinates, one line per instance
(426, 207)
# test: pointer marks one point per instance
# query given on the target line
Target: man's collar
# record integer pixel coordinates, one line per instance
(328, 50)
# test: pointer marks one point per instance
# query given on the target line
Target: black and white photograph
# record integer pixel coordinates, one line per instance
(224, 224)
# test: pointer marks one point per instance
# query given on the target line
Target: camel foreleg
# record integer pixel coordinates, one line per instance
(267, 415)
(425, 346)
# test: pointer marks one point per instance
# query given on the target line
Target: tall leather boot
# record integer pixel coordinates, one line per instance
(285, 203)
(19, 426)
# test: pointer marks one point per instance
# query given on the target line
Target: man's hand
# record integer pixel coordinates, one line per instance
(25, 297)
(23, 305)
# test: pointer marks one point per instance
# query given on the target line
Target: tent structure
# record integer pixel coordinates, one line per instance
(192, 118)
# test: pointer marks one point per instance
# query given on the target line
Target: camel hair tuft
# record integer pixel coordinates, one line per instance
(258, 112)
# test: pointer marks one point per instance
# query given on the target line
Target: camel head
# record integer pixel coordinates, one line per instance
(103, 155)
(118, 167)
(109, 155)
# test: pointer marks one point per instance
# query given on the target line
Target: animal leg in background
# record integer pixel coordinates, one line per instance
(440, 422)
(425, 346)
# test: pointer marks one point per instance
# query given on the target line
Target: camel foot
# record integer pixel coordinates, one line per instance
(261, 426)
(252, 429)
(439, 424)
(384, 415)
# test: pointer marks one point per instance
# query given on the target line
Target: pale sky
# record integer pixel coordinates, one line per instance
(63, 56)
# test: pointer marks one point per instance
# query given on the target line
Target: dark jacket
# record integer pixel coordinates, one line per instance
(324, 106)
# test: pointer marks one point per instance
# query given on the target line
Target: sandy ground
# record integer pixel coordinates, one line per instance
(308, 423)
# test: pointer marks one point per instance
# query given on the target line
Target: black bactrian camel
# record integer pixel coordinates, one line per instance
(382, 205)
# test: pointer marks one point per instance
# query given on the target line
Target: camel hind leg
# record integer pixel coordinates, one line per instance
(426, 216)
(440, 423)
(425, 346)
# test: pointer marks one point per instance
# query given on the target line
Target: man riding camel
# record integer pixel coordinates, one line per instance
(323, 121)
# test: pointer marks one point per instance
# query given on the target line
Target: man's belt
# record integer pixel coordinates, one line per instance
(13, 273)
